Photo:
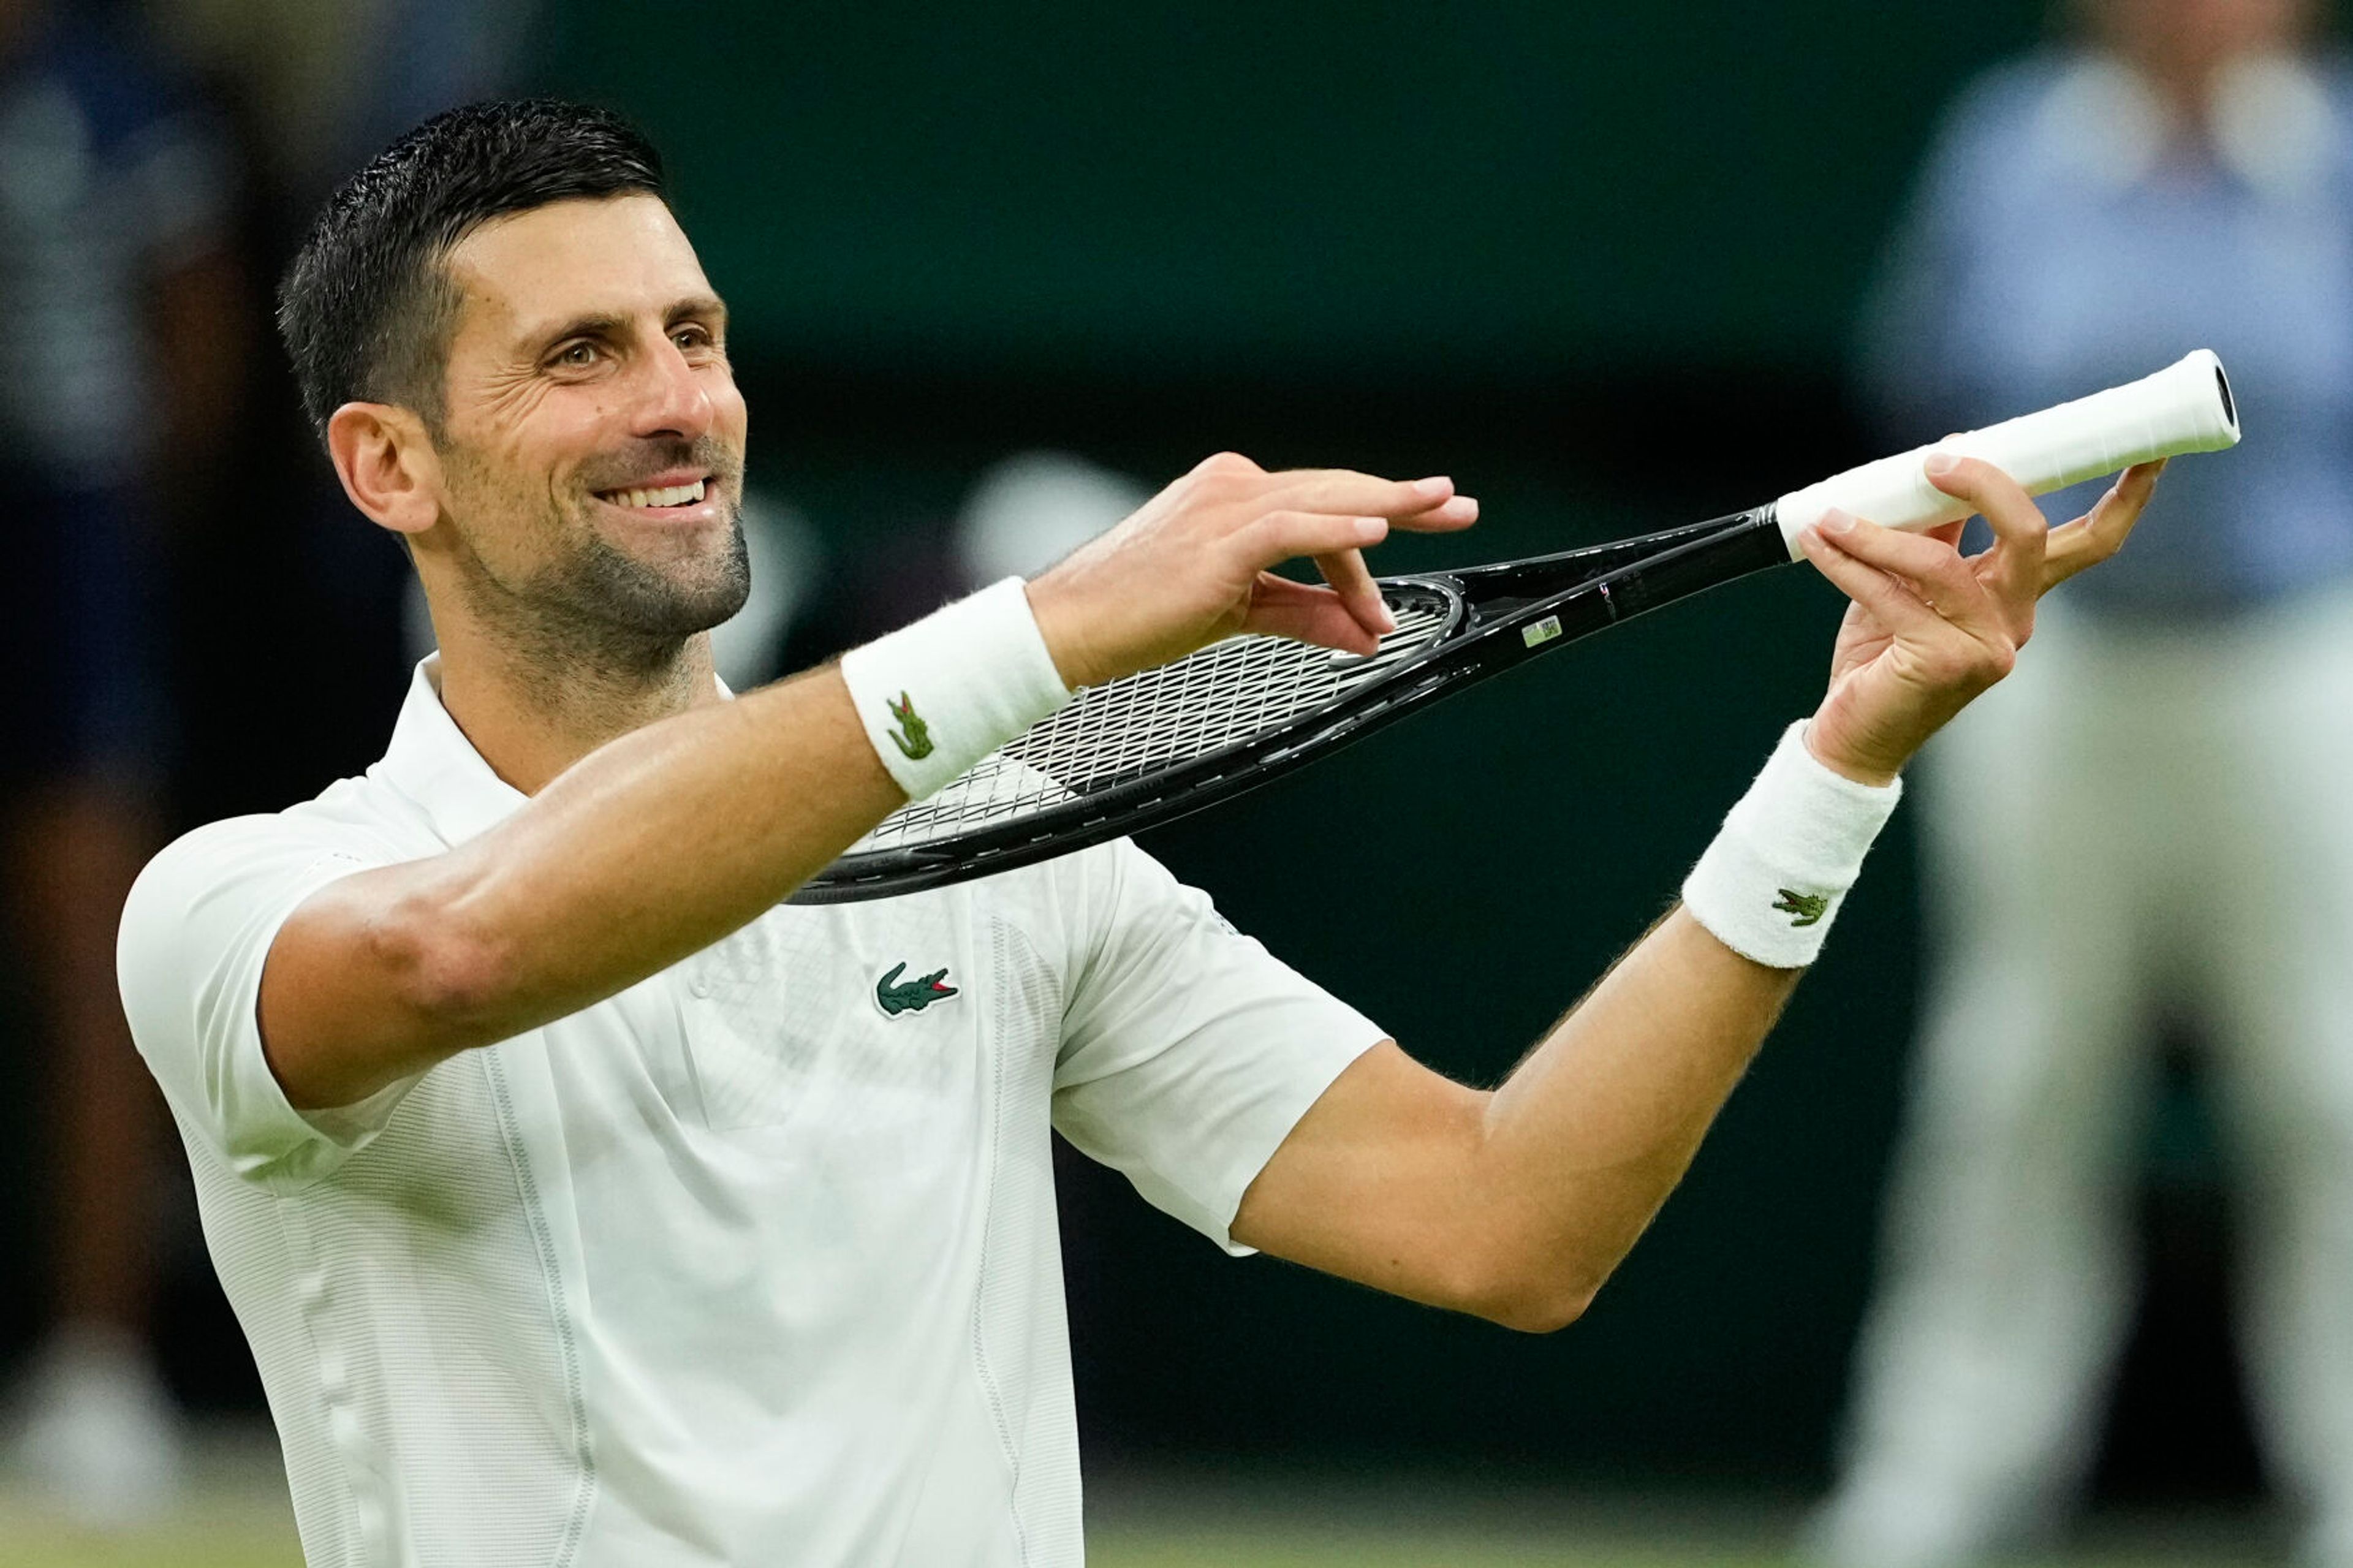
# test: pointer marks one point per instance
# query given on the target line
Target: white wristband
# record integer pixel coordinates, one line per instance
(1770, 885)
(938, 696)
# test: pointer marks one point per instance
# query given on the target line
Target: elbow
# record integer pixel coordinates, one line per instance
(453, 982)
(1538, 1309)
(1528, 1293)
(360, 991)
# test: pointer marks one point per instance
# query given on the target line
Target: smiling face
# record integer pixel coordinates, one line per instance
(591, 441)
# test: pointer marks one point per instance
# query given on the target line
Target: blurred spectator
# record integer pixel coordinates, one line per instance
(336, 82)
(118, 372)
(317, 89)
(2149, 817)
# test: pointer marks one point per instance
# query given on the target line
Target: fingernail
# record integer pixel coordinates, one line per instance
(1836, 522)
(1433, 486)
(1388, 618)
(1371, 529)
(1465, 508)
(1939, 464)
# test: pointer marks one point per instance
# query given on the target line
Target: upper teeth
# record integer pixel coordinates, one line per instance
(676, 495)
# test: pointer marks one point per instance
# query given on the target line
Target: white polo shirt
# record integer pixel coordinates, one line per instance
(754, 1262)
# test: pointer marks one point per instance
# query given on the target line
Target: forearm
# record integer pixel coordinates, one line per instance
(1588, 1136)
(663, 841)
(1516, 1203)
(647, 849)
(1601, 1120)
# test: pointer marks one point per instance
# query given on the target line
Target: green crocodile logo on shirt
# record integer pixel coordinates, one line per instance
(1805, 908)
(915, 995)
(913, 737)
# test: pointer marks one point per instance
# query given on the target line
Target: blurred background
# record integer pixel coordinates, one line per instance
(996, 273)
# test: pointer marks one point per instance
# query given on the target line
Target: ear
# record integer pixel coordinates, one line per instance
(387, 464)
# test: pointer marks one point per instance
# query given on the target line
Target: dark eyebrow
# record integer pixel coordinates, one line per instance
(597, 324)
(709, 308)
(609, 325)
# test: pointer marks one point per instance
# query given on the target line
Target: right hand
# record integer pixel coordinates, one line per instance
(1930, 629)
(1191, 567)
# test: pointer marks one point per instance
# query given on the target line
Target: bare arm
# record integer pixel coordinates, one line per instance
(1517, 1205)
(652, 848)
(663, 841)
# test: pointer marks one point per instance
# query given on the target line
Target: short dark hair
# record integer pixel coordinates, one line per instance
(367, 308)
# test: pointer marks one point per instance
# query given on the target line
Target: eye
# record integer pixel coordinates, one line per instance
(578, 355)
(692, 338)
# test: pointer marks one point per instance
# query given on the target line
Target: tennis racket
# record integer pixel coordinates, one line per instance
(1160, 744)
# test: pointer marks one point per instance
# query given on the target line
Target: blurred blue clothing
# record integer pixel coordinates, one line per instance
(2058, 244)
(108, 176)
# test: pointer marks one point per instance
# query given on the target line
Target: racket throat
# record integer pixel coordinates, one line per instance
(1748, 544)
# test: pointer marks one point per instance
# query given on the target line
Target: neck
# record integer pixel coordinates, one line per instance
(2185, 79)
(534, 700)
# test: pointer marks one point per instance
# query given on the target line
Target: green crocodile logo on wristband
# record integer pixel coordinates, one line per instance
(1805, 908)
(913, 737)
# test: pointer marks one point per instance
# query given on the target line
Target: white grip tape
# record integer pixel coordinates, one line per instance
(938, 696)
(1771, 883)
(2185, 407)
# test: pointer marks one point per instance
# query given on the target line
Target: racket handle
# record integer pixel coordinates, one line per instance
(2185, 407)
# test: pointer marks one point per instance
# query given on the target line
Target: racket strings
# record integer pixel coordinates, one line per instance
(1221, 695)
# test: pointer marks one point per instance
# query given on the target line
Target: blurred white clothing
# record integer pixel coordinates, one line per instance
(95, 1434)
(2137, 815)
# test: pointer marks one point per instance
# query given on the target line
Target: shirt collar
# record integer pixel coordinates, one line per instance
(431, 762)
(2271, 122)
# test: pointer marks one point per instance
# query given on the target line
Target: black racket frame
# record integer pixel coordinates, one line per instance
(1491, 612)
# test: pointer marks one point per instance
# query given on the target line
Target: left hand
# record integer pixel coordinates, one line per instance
(1929, 627)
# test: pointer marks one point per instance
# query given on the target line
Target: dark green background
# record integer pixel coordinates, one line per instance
(1601, 263)
(1149, 186)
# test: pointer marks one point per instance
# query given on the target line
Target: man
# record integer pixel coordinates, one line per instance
(584, 1204)
(2184, 171)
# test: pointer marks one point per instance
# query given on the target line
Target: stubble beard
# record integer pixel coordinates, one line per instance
(590, 612)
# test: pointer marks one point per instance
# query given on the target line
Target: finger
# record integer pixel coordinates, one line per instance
(2101, 532)
(1460, 511)
(1352, 581)
(1280, 536)
(1346, 491)
(1897, 607)
(1305, 612)
(1931, 569)
(2012, 569)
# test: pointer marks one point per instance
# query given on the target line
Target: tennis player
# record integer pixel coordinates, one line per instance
(586, 1205)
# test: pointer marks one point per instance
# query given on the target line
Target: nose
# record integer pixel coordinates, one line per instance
(672, 399)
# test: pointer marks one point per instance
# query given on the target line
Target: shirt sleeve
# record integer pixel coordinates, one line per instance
(1188, 1051)
(196, 934)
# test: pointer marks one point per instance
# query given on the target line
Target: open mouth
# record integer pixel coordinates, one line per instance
(687, 494)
